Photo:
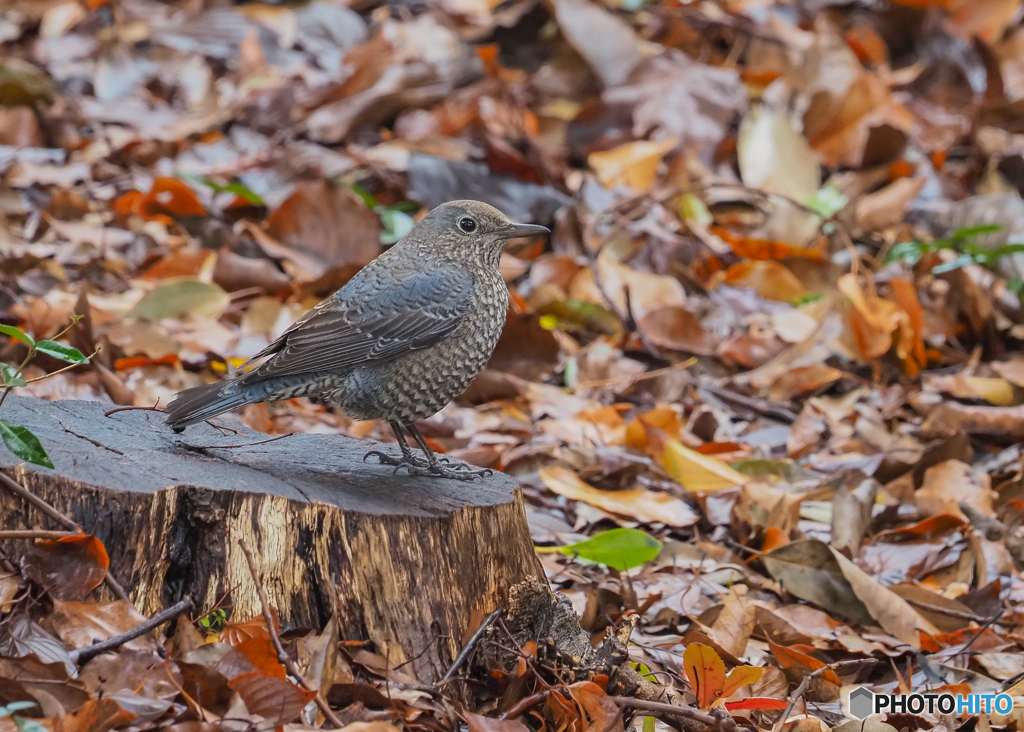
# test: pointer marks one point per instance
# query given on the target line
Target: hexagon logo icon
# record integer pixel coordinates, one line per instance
(862, 702)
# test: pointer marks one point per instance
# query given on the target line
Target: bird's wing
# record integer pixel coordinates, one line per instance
(399, 317)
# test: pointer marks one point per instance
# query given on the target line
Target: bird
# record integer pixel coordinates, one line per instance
(401, 339)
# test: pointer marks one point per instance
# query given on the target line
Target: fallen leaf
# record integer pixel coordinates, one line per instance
(276, 700)
(948, 484)
(329, 224)
(634, 164)
(705, 672)
(69, 568)
(774, 157)
(699, 473)
(182, 296)
(638, 503)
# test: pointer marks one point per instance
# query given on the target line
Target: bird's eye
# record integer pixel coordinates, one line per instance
(467, 225)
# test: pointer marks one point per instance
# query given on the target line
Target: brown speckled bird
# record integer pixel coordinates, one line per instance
(399, 341)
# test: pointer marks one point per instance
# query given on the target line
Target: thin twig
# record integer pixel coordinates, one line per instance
(726, 723)
(283, 657)
(19, 490)
(806, 681)
(35, 534)
(464, 653)
(154, 408)
(61, 370)
(759, 406)
(524, 705)
(232, 447)
(84, 654)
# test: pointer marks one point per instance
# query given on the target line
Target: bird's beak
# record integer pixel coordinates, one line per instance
(517, 231)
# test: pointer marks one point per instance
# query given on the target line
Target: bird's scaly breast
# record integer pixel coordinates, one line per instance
(420, 384)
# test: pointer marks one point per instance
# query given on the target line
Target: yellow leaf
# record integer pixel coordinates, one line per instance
(699, 473)
(992, 390)
(741, 676)
(634, 164)
(639, 503)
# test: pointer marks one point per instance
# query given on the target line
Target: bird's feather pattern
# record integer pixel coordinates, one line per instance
(412, 310)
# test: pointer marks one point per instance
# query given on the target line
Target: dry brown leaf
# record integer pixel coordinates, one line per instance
(948, 484)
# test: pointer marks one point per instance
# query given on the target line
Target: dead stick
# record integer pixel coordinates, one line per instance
(19, 490)
(283, 657)
(33, 534)
(806, 681)
(84, 654)
(464, 653)
(232, 447)
(726, 723)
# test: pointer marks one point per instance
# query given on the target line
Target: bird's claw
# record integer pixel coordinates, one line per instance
(446, 467)
(398, 462)
(462, 472)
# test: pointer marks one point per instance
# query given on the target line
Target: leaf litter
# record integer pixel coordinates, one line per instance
(763, 387)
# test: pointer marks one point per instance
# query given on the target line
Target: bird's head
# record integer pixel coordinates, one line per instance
(470, 229)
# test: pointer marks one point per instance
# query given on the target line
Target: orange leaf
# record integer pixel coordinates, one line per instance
(774, 538)
(705, 672)
(741, 676)
(237, 633)
(910, 346)
(792, 658)
(750, 248)
(137, 362)
(756, 702)
(260, 652)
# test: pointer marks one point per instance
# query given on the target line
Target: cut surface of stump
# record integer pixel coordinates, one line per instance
(415, 561)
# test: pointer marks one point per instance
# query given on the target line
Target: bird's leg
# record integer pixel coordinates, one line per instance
(434, 466)
(408, 460)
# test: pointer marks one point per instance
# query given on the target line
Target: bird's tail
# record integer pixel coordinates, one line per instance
(203, 402)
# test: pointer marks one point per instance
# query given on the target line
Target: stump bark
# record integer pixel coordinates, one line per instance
(414, 562)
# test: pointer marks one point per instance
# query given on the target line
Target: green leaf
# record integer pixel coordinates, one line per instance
(1016, 286)
(23, 443)
(28, 725)
(10, 330)
(396, 224)
(969, 232)
(182, 296)
(961, 261)
(69, 354)
(908, 251)
(806, 299)
(10, 376)
(368, 198)
(648, 724)
(239, 189)
(619, 548)
(827, 201)
(16, 706)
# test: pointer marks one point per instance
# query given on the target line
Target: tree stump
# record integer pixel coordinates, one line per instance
(415, 562)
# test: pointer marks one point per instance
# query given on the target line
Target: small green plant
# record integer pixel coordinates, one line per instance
(23, 725)
(215, 621)
(17, 438)
(236, 187)
(395, 218)
(963, 242)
